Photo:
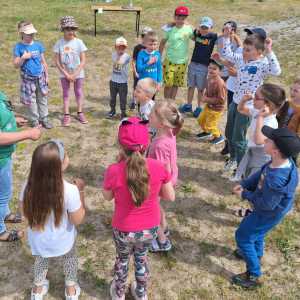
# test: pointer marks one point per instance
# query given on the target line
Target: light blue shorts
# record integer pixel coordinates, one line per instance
(197, 75)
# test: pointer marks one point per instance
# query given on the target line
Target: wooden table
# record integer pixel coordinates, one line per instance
(119, 8)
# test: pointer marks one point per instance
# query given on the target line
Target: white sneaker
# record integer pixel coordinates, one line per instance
(113, 293)
(235, 177)
(133, 292)
(231, 164)
(74, 297)
(44, 291)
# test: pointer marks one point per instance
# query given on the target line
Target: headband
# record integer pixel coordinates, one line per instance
(60, 147)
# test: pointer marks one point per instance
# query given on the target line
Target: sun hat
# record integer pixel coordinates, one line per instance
(121, 42)
(134, 134)
(67, 21)
(27, 29)
(286, 140)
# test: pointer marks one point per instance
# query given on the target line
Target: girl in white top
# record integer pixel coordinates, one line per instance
(270, 108)
(52, 208)
(70, 59)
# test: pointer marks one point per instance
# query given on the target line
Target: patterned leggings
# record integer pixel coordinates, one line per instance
(41, 266)
(137, 243)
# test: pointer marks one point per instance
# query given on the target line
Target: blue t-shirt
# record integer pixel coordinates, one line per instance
(153, 71)
(33, 65)
(204, 47)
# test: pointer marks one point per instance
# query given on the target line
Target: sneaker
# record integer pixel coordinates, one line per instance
(123, 115)
(132, 106)
(76, 296)
(197, 112)
(67, 120)
(235, 177)
(133, 292)
(204, 135)
(35, 123)
(159, 246)
(111, 114)
(167, 231)
(225, 150)
(231, 164)
(82, 118)
(216, 141)
(113, 294)
(46, 124)
(246, 280)
(185, 108)
(44, 291)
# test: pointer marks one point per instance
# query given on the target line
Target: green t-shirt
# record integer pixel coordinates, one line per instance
(7, 124)
(178, 44)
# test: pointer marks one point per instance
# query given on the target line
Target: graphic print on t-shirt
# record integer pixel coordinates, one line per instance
(117, 66)
(70, 59)
(35, 54)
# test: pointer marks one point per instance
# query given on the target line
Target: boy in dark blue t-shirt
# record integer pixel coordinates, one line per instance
(273, 198)
(198, 68)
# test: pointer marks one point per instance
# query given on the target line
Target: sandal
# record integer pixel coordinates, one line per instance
(13, 235)
(17, 218)
(243, 212)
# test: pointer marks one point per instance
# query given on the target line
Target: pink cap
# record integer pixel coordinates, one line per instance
(133, 132)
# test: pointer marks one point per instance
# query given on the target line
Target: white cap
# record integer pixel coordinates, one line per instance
(121, 42)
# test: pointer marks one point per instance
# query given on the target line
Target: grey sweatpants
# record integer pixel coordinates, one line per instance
(39, 106)
(122, 89)
(41, 266)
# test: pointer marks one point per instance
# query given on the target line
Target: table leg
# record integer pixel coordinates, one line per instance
(95, 20)
(137, 24)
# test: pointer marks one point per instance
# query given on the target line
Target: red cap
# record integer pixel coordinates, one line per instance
(132, 132)
(181, 11)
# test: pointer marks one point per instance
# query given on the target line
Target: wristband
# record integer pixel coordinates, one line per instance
(81, 191)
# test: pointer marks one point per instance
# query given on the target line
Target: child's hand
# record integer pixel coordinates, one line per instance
(171, 24)
(227, 30)
(20, 121)
(79, 183)
(215, 56)
(152, 60)
(35, 133)
(233, 71)
(136, 74)
(247, 97)
(238, 189)
(264, 112)
(268, 44)
(47, 81)
(26, 55)
(71, 78)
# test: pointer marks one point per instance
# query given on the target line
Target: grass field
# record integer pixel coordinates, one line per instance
(201, 262)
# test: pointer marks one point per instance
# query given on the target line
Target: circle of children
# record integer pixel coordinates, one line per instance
(143, 173)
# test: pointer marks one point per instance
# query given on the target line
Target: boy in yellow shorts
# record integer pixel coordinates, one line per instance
(175, 63)
(215, 102)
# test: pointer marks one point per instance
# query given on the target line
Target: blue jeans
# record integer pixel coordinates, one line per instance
(250, 240)
(5, 192)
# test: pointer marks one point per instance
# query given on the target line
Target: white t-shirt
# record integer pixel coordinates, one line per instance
(269, 121)
(119, 67)
(231, 81)
(70, 55)
(53, 242)
(251, 74)
(233, 46)
(145, 112)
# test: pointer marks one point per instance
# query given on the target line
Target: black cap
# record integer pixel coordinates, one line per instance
(287, 141)
(256, 30)
(233, 25)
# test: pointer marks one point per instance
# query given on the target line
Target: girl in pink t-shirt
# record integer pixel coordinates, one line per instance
(166, 119)
(136, 183)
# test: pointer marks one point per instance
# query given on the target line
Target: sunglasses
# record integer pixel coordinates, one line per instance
(8, 105)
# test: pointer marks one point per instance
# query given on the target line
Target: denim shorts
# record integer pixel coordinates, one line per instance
(197, 75)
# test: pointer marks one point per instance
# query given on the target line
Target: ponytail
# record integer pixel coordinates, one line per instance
(282, 113)
(168, 113)
(137, 175)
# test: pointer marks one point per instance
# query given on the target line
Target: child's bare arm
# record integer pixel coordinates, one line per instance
(220, 34)
(259, 138)
(161, 46)
(187, 23)
(242, 108)
(46, 68)
(226, 63)
(238, 40)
